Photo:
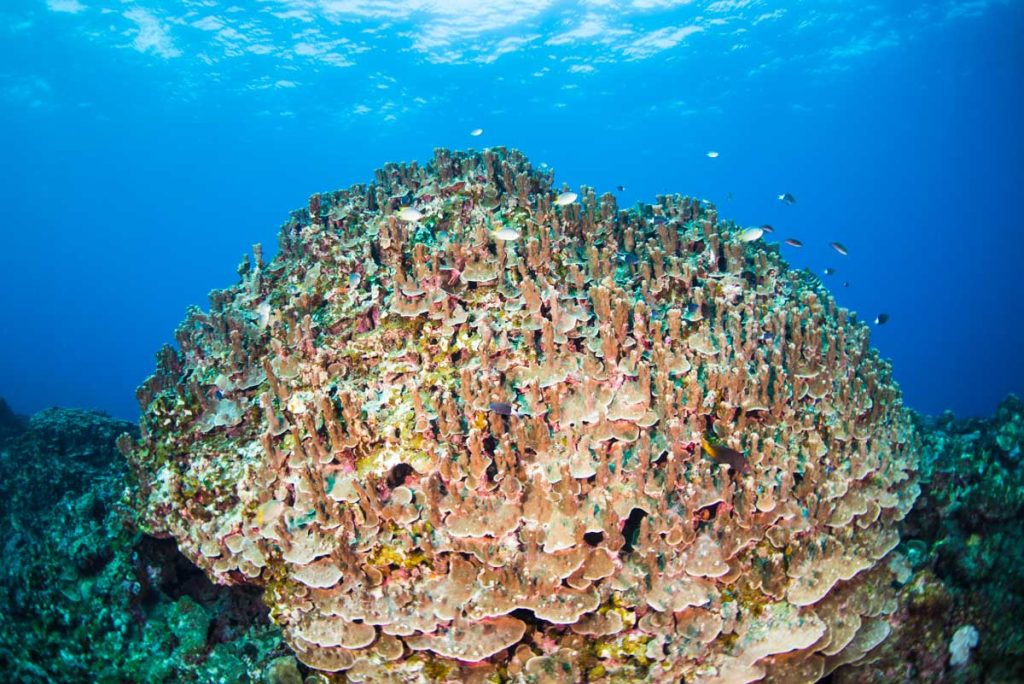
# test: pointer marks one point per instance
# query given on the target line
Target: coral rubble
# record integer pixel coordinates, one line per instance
(464, 443)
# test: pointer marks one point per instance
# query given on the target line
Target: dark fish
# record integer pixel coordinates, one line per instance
(846, 283)
(627, 258)
(620, 188)
(839, 247)
(767, 336)
(787, 198)
(723, 454)
(767, 228)
(829, 271)
(659, 220)
(729, 196)
(881, 319)
(793, 242)
(505, 409)
(502, 408)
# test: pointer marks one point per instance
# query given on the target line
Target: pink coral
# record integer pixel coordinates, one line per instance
(404, 531)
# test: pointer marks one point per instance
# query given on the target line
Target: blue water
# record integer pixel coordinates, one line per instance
(145, 147)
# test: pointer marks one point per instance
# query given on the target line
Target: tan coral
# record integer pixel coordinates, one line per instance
(444, 456)
(472, 641)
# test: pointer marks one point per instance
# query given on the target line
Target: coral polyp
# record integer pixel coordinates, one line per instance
(328, 432)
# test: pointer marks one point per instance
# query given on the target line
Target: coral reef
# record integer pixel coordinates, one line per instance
(55, 453)
(503, 438)
(962, 560)
(84, 596)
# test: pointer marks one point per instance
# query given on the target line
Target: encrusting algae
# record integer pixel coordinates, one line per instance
(451, 457)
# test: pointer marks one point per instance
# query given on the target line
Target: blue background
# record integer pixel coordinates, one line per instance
(146, 147)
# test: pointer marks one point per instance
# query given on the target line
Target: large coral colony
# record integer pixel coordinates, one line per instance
(454, 430)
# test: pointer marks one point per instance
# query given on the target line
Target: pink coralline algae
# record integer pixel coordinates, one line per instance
(328, 432)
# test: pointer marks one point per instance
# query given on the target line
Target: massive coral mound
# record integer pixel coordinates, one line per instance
(449, 456)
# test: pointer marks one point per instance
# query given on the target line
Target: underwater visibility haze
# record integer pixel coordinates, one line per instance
(642, 341)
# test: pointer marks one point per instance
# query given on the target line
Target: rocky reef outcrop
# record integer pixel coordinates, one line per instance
(960, 566)
(85, 597)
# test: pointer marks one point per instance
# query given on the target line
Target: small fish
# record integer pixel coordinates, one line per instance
(506, 233)
(787, 198)
(881, 319)
(767, 336)
(620, 188)
(627, 258)
(723, 454)
(793, 242)
(767, 228)
(729, 196)
(565, 198)
(354, 279)
(839, 247)
(659, 221)
(476, 132)
(712, 155)
(846, 283)
(503, 408)
(751, 234)
(409, 215)
(829, 270)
